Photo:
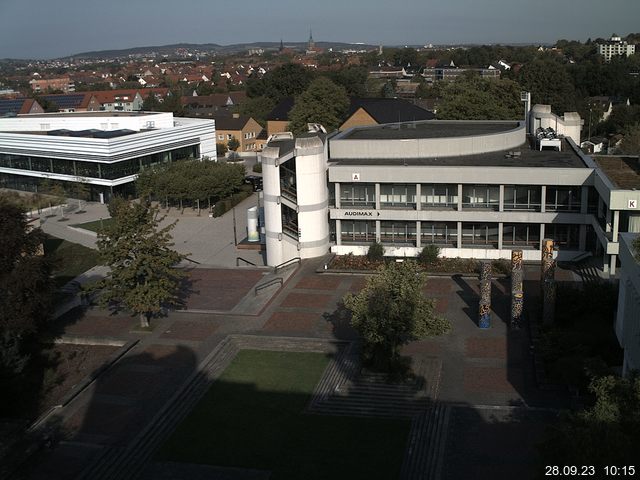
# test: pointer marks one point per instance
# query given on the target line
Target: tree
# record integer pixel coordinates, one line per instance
(631, 143)
(257, 108)
(323, 102)
(287, 80)
(549, 83)
(392, 311)
(25, 292)
(607, 433)
(80, 190)
(475, 98)
(151, 103)
(375, 252)
(233, 144)
(221, 148)
(353, 78)
(142, 276)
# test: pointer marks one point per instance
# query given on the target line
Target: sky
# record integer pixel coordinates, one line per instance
(50, 29)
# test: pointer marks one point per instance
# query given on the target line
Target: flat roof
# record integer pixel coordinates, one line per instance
(624, 172)
(567, 158)
(88, 114)
(428, 129)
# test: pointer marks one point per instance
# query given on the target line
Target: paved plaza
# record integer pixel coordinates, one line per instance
(482, 412)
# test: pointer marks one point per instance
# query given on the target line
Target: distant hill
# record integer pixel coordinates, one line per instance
(213, 48)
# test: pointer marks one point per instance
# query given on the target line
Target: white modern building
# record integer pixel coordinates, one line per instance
(106, 150)
(476, 189)
(628, 315)
(615, 46)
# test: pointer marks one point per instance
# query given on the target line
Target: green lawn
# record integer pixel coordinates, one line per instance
(252, 417)
(70, 259)
(95, 225)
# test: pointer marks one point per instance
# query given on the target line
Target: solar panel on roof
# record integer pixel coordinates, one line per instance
(11, 106)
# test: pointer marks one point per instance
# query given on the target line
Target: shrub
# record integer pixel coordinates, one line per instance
(501, 266)
(376, 252)
(257, 168)
(429, 255)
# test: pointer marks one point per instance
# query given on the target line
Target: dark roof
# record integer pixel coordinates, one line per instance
(11, 107)
(529, 157)
(389, 110)
(431, 129)
(282, 109)
(230, 123)
(70, 100)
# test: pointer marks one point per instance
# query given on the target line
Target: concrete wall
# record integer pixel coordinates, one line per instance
(429, 147)
(84, 121)
(627, 326)
(568, 125)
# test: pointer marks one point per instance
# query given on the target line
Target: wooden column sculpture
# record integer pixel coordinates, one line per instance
(548, 281)
(517, 288)
(484, 320)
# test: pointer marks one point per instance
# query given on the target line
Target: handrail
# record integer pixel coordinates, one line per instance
(286, 264)
(191, 260)
(267, 284)
(245, 261)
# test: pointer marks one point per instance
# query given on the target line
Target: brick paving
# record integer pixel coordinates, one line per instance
(97, 325)
(479, 367)
(219, 289)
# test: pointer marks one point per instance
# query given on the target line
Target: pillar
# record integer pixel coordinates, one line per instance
(501, 199)
(418, 197)
(543, 198)
(547, 279)
(377, 193)
(337, 194)
(459, 234)
(459, 197)
(484, 313)
(517, 289)
(616, 225)
(418, 234)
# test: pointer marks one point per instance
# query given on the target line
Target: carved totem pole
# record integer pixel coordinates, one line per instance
(484, 320)
(517, 288)
(548, 282)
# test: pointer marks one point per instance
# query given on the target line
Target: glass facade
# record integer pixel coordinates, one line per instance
(521, 235)
(103, 170)
(480, 234)
(564, 236)
(563, 199)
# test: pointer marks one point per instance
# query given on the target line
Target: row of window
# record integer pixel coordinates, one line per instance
(445, 234)
(107, 171)
(516, 197)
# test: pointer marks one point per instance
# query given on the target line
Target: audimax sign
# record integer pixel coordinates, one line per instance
(361, 213)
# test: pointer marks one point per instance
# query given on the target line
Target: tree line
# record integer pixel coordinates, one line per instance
(190, 182)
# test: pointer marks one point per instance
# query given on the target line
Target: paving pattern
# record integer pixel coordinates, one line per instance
(468, 377)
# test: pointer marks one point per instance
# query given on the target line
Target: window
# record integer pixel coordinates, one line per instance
(521, 234)
(439, 195)
(439, 233)
(564, 236)
(481, 196)
(522, 197)
(480, 234)
(356, 231)
(357, 195)
(398, 196)
(220, 137)
(229, 136)
(563, 199)
(403, 233)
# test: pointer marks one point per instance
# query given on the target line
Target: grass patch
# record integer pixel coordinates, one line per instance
(252, 417)
(69, 259)
(95, 225)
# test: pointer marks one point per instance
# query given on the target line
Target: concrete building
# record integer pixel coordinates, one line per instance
(476, 189)
(106, 150)
(615, 46)
(628, 316)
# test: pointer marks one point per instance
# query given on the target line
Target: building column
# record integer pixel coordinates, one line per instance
(418, 229)
(338, 232)
(543, 199)
(459, 197)
(377, 194)
(500, 227)
(616, 224)
(418, 195)
(607, 221)
(337, 194)
(584, 200)
(501, 199)
(378, 231)
(542, 235)
(612, 264)
(582, 238)
(459, 234)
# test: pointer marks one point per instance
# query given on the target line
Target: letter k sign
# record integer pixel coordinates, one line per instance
(632, 204)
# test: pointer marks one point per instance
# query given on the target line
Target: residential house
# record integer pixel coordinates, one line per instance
(615, 46)
(376, 111)
(46, 84)
(215, 105)
(244, 129)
